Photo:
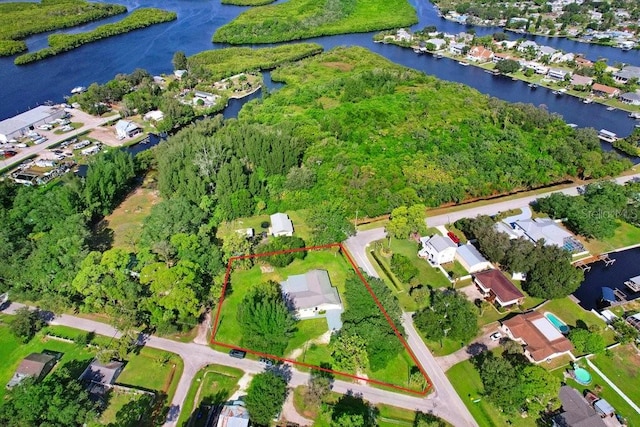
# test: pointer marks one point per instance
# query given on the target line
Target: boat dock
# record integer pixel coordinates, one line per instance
(584, 264)
(633, 284)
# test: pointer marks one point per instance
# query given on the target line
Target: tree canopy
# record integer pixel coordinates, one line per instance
(450, 315)
(265, 397)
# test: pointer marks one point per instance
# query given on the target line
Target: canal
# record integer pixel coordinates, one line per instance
(152, 49)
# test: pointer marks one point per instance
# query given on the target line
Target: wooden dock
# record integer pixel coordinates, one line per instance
(585, 263)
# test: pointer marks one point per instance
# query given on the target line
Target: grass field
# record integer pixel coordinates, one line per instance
(625, 235)
(622, 366)
(299, 19)
(300, 227)
(126, 220)
(230, 332)
(212, 384)
(307, 329)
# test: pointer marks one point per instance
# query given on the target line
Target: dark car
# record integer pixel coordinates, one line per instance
(267, 362)
(238, 354)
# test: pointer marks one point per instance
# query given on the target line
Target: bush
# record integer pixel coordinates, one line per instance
(403, 268)
(26, 323)
(586, 342)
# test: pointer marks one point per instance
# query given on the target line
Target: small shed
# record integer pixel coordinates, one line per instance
(281, 225)
(604, 408)
(471, 259)
(35, 365)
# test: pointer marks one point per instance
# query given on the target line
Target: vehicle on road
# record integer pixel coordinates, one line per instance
(495, 336)
(238, 354)
(267, 362)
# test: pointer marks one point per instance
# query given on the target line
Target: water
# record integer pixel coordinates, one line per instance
(152, 49)
(627, 265)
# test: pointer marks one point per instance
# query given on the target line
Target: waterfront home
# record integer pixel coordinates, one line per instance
(281, 225)
(558, 74)
(497, 57)
(437, 249)
(528, 44)
(604, 90)
(541, 340)
(403, 35)
(631, 98)
(552, 53)
(208, 99)
(311, 295)
(583, 62)
(154, 116)
(567, 57)
(438, 44)
(179, 74)
(457, 48)
(495, 287)
(471, 259)
(479, 54)
(126, 129)
(578, 80)
(626, 73)
(546, 229)
(634, 320)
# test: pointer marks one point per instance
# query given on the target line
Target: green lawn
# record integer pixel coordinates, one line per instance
(230, 332)
(622, 366)
(467, 383)
(212, 384)
(117, 399)
(625, 235)
(300, 227)
(153, 370)
(456, 268)
(307, 329)
(606, 392)
(315, 354)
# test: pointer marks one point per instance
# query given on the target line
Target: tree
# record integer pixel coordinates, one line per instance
(403, 268)
(265, 397)
(329, 223)
(108, 179)
(552, 275)
(540, 388)
(508, 66)
(586, 342)
(405, 221)
(349, 353)
(353, 411)
(237, 245)
(267, 323)
(318, 388)
(26, 323)
(280, 244)
(450, 315)
(501, 382)
(59, 400)
(626, 332)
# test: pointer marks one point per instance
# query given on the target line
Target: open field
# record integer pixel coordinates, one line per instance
(300, 227)
(126, 220)
(212, 384)
(299, 19)
(625, 235)
(622, 366)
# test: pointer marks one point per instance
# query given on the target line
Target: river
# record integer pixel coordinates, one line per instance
(152, 49)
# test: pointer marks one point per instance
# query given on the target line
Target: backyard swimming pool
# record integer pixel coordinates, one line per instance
(557, 323)
(582, 376)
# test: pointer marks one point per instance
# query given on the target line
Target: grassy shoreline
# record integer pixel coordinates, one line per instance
(300, 19)
(59, 43)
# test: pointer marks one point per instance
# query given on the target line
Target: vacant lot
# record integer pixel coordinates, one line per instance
(622, 366)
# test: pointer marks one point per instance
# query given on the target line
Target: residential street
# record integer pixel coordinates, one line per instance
(357, 246)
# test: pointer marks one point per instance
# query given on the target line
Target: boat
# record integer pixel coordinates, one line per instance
(572, 125)
(464, 64)
(438, 55)
(533, 86)
(633, 284)
(587, 101)
(611, 108)
(607, 136)
(559, 92)
(78, 89)
(418, 51)
(634, 115)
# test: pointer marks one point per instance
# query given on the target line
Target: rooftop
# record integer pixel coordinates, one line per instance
(541, 228)
(102, 373)
(540, 336)
(310, 289)
(500, 285)
(26, 119)
(576, 411)
(233, 415)
(438, 242)
(470, 255)
(280, 223)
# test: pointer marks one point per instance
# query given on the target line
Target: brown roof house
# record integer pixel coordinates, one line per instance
(35, 365)
(479, 54)
(604, 90)
(495, 287)
(542, 341)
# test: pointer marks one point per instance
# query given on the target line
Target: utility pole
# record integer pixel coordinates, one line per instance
(356, 222)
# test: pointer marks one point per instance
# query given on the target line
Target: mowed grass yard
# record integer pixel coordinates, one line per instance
(230, 332)
(300, 227)
(126, 220)
(621, 365)
(625, 235)
(212, 385)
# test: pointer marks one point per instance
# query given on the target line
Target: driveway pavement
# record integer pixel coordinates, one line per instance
(478, 346)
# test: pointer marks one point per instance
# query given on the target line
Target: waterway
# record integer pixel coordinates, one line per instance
(152, 49)
(627, 265)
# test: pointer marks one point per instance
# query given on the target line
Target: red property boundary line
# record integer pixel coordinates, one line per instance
(295, 362)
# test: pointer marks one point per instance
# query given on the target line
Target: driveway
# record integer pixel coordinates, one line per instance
(479, 345)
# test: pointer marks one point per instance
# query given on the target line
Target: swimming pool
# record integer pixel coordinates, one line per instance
(557, 323)
(582, 376)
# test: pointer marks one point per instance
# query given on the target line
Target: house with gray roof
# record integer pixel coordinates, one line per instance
(543, 228)
(311, 295)
(437, 249)
(626, 73)
(632, 98)
(281, 225)
(127, 129)
(576, 411)
(471, 259)
(233, 414)
(35, 365)
(20, 125)
(100, 377)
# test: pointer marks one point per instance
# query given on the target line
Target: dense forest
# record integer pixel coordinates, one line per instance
(19, 20)
(300, 19)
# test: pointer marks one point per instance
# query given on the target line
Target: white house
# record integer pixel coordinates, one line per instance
(557, 73)
(311, 295)
(437, 43)
(456, 48)
(233, 414)
(281, 225)
(437, 249)
(471, 259)
(632, 98)
(154, 116)
(127, 129)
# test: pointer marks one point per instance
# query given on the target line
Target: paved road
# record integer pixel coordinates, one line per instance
(479, 345)
(197, 356)
(89, 123)
(357, 246)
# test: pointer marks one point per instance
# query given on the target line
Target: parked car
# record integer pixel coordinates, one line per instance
(8, 153)
(45, 127)
(453, 237)
(268, 362)
(495, 336)
(238, 354)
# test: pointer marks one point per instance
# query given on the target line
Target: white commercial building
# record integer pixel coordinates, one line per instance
(20, 125)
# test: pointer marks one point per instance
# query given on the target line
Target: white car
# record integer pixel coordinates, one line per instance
(45, 127)
(495, 336)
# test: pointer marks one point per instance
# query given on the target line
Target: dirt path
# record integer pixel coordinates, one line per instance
(297, 352)
(290, 414)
